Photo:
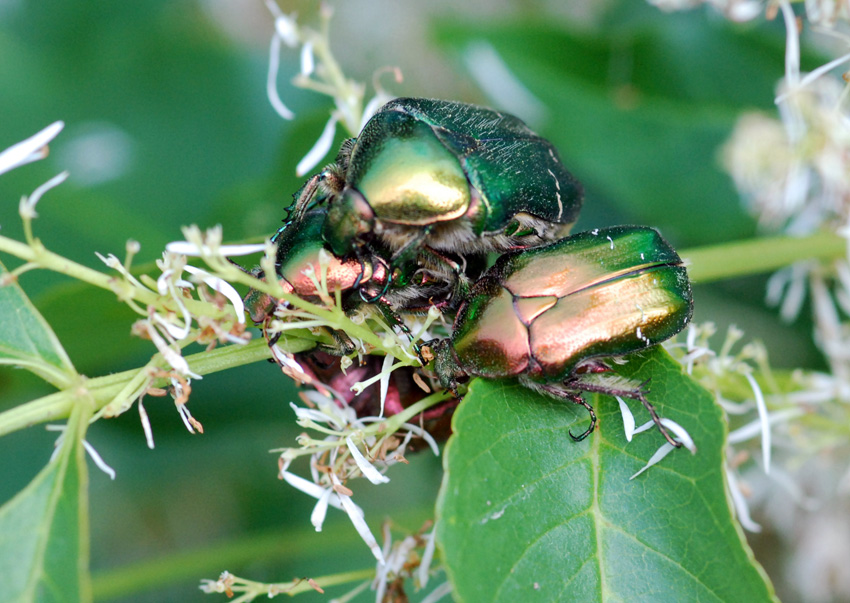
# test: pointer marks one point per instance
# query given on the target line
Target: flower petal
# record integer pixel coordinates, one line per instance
(355, 514)
(740, 503)
(366, 468)
(319, 150)
(222, 286)
(27, 206)
(98, 460)
(190, 249)
(764, 419)
(666, 448)
(317, 517)
(628, 419)
(31, 149)
(681, 434)
(271, 81)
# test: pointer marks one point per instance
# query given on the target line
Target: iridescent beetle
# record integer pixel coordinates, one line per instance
(426, 178)
(547, 315)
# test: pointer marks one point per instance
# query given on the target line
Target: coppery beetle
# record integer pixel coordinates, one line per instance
(547, 315)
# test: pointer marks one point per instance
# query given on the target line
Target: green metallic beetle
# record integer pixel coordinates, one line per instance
(426, 178)
(546, 315)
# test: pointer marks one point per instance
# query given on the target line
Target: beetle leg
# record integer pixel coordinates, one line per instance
(359, 278)
(639, 394)
(374, 299)
(304, 197)
(395, 321)
(655, 419)
(410, 250)
(576, 399)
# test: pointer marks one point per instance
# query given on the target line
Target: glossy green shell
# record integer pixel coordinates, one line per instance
(415, 160)
(299, 247)
(543, 311)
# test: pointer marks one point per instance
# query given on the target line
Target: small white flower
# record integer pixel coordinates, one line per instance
(285, 26)
(366, 468)
(27, 205)
(171, 356)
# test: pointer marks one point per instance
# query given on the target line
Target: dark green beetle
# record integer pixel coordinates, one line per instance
(546, 315)
(426, 178)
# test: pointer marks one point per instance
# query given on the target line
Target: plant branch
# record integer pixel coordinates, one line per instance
(103, 390)
(756, 256)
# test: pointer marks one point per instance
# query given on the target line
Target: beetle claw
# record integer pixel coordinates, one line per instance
(575, 399)
(655, 418)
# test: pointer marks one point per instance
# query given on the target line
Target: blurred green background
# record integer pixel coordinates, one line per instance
(167, 124)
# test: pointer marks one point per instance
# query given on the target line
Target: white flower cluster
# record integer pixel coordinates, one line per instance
(320, 73)
(794, 172)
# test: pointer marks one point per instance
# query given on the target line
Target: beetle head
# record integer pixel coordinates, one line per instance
(350, 220)
(446, 366)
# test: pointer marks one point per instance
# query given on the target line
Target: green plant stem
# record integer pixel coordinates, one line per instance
(756, 256)
(41, 257)
(44, 258)
(282, 547)
(104, 389)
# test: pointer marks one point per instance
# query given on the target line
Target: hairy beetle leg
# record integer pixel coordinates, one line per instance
(576, 399)
(639, 394)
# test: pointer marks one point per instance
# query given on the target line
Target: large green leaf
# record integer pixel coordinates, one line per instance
(44, 530)
(27, 341)
(525, 514)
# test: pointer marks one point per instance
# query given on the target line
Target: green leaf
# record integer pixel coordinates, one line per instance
(44, 530)
(27, 341)
(527, 514)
